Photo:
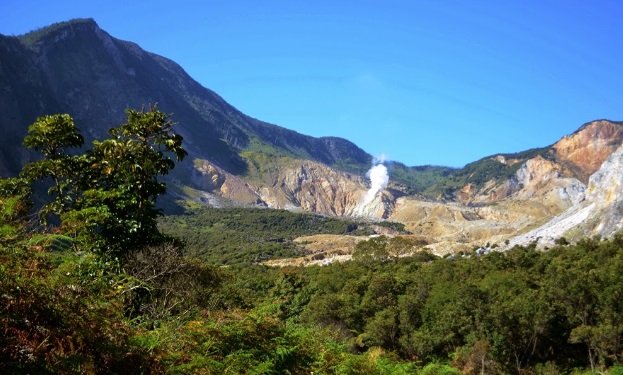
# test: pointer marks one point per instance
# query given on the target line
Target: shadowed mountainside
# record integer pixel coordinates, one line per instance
(77, 68)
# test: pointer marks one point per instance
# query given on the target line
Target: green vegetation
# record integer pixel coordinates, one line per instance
(104, 197)
(77, 299)
(508, 312)
(245, 235)
(480, 172)
(419, 179)
(264, 161)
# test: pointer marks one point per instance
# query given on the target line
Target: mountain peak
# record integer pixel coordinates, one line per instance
(93, 76)
(59, 31)
(588, 147)
(597, 125)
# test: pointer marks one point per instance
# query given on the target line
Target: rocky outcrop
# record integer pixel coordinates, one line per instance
(210, 178)
(314, 187)
(605, 191)
(584, 151)
(557, 174)
(543, 180)
(299, 184)
(599, 213)
(537, 179)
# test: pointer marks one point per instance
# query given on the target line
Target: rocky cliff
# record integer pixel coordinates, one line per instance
(600, 211)
(296, 185)
(557, 174)
(582, 153)
(549, 183)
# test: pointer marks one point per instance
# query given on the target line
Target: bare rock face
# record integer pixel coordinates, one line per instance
(314, 187)
(492, 191)
(584, 151)
(215, 180)
(605, 190)
(559, 177)
(537, 179)
(304, 185)
(543, 180)
(600, 213)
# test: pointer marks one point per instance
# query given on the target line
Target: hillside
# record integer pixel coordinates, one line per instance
(78, 68)
(597, 212)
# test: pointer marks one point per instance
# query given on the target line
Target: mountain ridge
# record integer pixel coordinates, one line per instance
(79, 51)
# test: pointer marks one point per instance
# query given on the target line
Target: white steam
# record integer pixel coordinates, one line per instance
(378, 181)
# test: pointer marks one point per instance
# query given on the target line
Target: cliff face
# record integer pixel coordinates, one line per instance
(314, 187)
(584, 151)
(543, 180)
(299, 184)
(605, 191)
(557, 174)
(600, 212)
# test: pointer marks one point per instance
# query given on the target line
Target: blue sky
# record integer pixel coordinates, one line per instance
(423, 82)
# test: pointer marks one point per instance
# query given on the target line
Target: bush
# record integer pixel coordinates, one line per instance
(438, 369)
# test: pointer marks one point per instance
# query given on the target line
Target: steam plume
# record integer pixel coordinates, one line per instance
(378, 181)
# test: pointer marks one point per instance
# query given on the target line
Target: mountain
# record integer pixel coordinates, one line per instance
(78, 68)
(75, 67)
(499, 197)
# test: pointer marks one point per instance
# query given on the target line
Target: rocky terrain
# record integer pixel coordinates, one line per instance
(298, 185)
(599, 213)
(322, 249)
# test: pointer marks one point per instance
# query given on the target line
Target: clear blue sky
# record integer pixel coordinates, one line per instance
(424, 82)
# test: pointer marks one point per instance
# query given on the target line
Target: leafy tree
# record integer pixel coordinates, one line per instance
(124, 184)
(374, 249)
(105, 197)
(53, 136)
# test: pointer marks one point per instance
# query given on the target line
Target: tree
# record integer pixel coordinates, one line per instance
(105, 197)
(372, 250)
(53, 136)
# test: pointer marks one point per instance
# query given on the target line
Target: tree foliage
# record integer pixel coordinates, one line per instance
(105, 196)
